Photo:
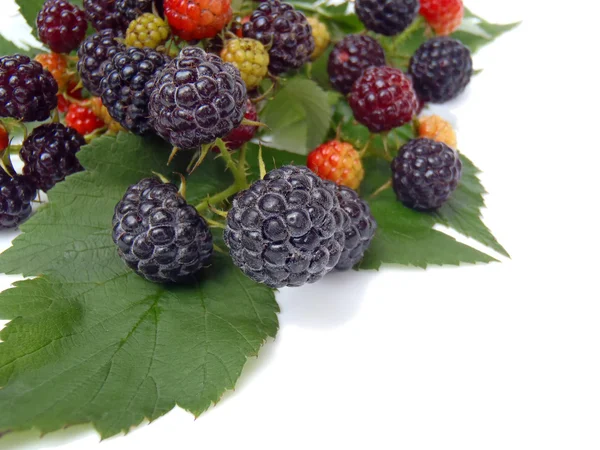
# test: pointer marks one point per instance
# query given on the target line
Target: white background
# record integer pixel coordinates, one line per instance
(500, 356)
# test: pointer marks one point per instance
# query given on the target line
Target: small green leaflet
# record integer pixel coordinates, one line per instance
(10, 48)
(89, 340)
(298, 117)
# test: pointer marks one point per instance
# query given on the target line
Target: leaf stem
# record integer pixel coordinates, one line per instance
(312, 8)
(403, 37)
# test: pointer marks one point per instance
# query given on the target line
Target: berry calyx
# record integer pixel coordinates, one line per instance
(27, 90)
(147, 30)
(338, 162)
(286, 33)
(250, 57)
(441, 69)
(49, 154)
(61, 25)
(444, 16)
(438, 129)
(83, 119)
(320, 35)
(349, 59)
(387, 17)
(425, 174)
(197, 19)
(159, 235)
(383, 98)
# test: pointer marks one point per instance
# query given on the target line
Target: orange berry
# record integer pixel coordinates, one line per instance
(56, 64)
(338, 162)
(197, 19)
(438, 129)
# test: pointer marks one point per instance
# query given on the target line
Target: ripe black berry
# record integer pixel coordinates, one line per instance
(196, 98)
(95, 52)
(361, 229)
(103, 15)
(350, 57)
(159, 235)
(27, 90)
(123, 86)
(287, 229)
(132, 9)
(61, 25)
(49, 154)
(425, 173)
(16, 195)
(286, 30)
(441, 68)
(383, 98)
(387, 17)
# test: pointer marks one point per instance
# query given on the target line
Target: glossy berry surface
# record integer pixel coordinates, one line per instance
(16, 195)
(148, 31)
(196, 99)
(197, 19)
(425, 174)
(320, 35)
(243, 133)
(103, 15)
(250, 57)
(387, 17)
(132, 9)
(82, 119)
(338, 162)
(438, 129)
(360, 231)
(383, 98)
(4, 140)
(61, 25)
(94, 53)
(49, 154)
(27, 90)
(123, 86)
(349, 59)
(287, 32)
(444, 16)
(287, 229)
(159, 235)
(100, 110)
(441, 68)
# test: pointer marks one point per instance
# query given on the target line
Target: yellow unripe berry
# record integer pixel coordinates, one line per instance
(250, 57)
(320, 35)
(147, 30)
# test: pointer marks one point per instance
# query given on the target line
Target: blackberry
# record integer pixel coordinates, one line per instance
(123, 86)
(159, 235)
(16, 195)
(287, 229)
(95, 52)
(132, 9)
(387, 17)
(27, 90)
(350, 57)
(49, 154)
(383, 98)
(360, 231)
(196, 98)
(425, 173)
(441, 68)
(243, 133)
(286, 30)
(61, 25)
(103, 15)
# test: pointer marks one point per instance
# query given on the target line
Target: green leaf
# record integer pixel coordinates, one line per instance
(30, 10)
(476, 32)
(298, 117)
(9, 48)
(90, 341)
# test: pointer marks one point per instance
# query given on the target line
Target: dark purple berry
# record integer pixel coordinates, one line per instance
(16, 195)
(286, 229)
(196, 98)
(387, 17)
(95, 52)
(349, 59)
(243, 133)
(61, 25)
(49, 154)
(425, 173)
(287, 32)
(383, 98)
(441, 68)
(103, 15)
(159, 235)
(132, 9)
(27, 90)
(123, 86)
(361, 229)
